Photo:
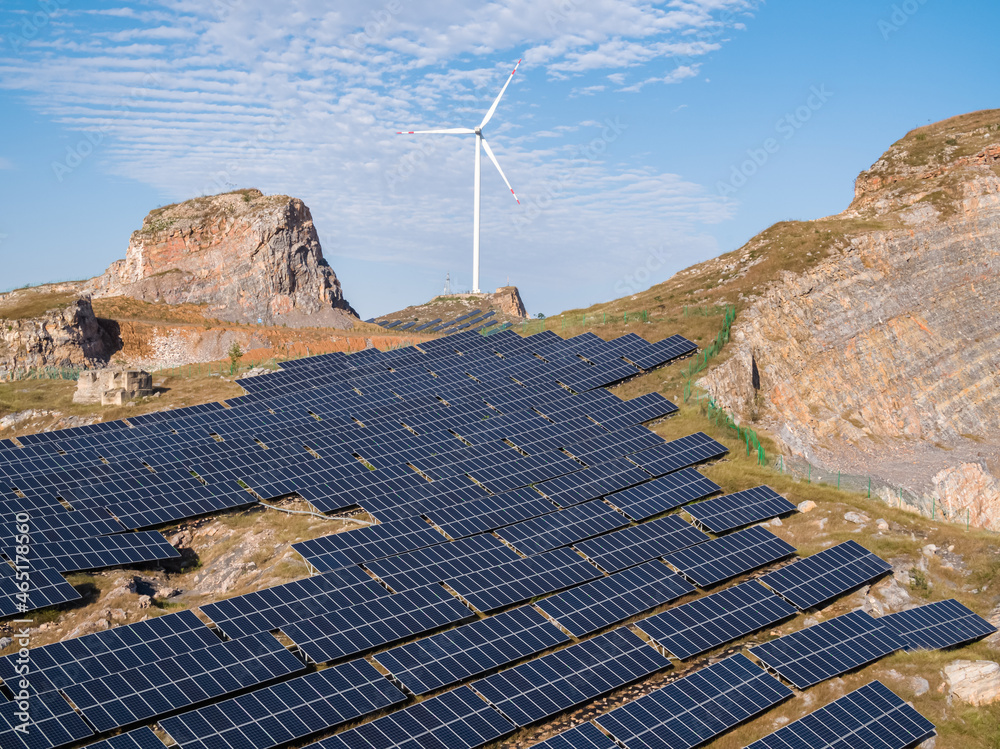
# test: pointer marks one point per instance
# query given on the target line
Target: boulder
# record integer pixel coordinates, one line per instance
(974, 682)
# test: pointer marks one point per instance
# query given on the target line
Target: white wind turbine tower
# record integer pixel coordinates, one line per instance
(480, 143)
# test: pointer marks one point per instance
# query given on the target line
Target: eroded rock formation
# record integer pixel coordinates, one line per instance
(250, 257)
(69, 335)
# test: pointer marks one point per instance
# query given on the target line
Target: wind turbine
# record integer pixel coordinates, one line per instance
(480, 144)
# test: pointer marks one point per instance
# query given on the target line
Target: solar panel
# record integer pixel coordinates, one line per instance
(697, 708)
(140, 738)
(706, 623)
(936, 626)
(517, 582)
(609, 600)
(53, 723)
(436, 564)
(872, 716)
(814, 580)
(366, 626)
(663, 494)
(584, 736)
(563, 528)
(158, 688)
(571, 676)
(271, 608)
(680, 453)
(454, 720)
(61, 664)
(593, 482)
(828, 649)
(632, 546)
(290, 710)
(470, 650)
(726, 557)
(46, 587)
(490, 513)
(739, 509)
(75, 555)
(367, 544)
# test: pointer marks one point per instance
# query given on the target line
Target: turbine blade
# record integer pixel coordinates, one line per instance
(446, 131)
(489, 152)
(493, 109)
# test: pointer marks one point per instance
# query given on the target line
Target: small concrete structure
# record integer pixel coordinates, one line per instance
(112, 387)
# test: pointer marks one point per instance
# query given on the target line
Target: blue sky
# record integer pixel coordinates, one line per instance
(621, 131)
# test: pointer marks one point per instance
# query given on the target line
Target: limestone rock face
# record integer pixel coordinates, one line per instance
(68, 336)
(248, 256)
(974, 682)
(508, 300)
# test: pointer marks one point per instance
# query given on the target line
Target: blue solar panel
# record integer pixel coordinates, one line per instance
(812, 581)
(680, 453)
(571, 676)
(563, 528)
(77, 554)
(436, 564)
(739, 509)
(701, 625)
(455, 720)
(609, 600)
(140, 738)
(46, 587)
(632, 546)
(53, 723)
(939, 625)
(868, 717)
(367, 544)
(517, 582)
(470, 650)
(663, 494)
(490, 513)
(697, 708)
(726, 557)
(828, 649)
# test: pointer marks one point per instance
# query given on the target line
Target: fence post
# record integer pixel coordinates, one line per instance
(809, 479)
(966, 518)
(933, 507)
(869, 487)
(838, 479)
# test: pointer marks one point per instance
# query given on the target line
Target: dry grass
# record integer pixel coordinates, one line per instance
(25, 304)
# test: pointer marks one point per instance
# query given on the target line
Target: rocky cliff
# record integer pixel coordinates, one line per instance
(53, 327)
(883, 355)
(250, 257)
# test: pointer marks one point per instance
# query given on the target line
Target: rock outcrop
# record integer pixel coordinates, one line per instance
(66, 335)
(250, 257)
(974, 682)
(111, 387)
(883, 357)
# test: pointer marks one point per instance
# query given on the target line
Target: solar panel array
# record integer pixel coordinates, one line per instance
(871, 716)
(140, 738)
(739, 509)
(663, 494)
(936, 626)
(558, 681)
(697, 708)
(828, 649)
(699, 626)
(817, 579)
(562, 528)
(632, 546)
(723, 558)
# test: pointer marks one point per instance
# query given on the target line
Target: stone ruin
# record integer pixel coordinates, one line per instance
(112, 387)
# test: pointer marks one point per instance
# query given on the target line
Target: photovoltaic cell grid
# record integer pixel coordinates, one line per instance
(936, 626)
(175, 683)
(517, 582)
(367, 544)
(490, 513)
(454, 720)
(663, 494)
(75, 555)
(722, 558)
(828, 649)
(701, 625)
(872, 716)
(272, 608)
(593, 606)
(53, 723)
(563, 528)
(291, 710)
(641, 543)
(62, 664)
(140, 738)
(46, 587)
(680, 453)
(739, 509)
(814, 580)
(558, 681)
(697, 708)
(584, 736)
(436, 564)
(360, 628)
(470, 650)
